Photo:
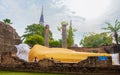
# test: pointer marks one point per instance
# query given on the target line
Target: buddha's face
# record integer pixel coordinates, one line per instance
(22, 51)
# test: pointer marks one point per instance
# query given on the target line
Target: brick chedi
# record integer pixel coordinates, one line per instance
(8, 37)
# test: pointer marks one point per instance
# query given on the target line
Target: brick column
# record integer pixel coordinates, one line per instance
(46, 36)
(64, 35)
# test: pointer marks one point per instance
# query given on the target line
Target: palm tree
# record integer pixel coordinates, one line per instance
(113, 29)
(7, 21)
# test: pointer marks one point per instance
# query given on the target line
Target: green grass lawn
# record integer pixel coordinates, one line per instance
(25, 73)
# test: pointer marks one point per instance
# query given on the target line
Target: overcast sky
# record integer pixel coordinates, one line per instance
(86, 15)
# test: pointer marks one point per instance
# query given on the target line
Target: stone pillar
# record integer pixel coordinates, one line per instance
(46, 36)
(64, 35)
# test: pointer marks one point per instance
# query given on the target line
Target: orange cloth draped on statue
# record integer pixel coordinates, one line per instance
(60, 54)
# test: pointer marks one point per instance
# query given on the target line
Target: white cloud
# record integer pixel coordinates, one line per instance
(24, 12)
(21, 17)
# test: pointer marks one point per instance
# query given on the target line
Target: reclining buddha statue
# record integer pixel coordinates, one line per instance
(59, 54)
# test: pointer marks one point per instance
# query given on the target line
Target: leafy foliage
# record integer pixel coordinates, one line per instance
(96, 40)
(7, 21)
(34, 39)
(70, 39)
(34, 34)
(113, 29)
(34, 29)
(64, 23)
(54, 43)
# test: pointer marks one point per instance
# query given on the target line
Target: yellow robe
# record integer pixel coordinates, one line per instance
(60, 54)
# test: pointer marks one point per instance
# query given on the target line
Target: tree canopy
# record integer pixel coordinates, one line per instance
(34, 39)
(54, 43)
(7, 21)
(33, 29)
(113, 29)
(96, 40)
(34, 34)
(70, 38)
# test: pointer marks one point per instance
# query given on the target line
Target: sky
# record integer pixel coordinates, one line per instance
(86, 15)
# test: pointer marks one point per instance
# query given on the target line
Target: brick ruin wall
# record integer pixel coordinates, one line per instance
(103, 49)
(8, 37)
(90, 66)
(89, 49)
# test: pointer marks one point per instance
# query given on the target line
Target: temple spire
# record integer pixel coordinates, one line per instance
(41, 22)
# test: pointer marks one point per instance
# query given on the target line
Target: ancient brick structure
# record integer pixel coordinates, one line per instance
(64, 35)
(6, 59)
(90, 66)
(8, 37)
(112, 48)
(103, 49)
(47, 35)
(87, 49)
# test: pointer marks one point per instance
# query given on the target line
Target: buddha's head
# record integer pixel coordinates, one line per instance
(22, 51)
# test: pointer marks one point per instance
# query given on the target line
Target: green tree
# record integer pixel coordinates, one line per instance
(60, 40)
(96, 40)
(38, 31)
(113, 29)
(70, 39)
(34, 39)
(7, 21)
(54, 43)
(34, 29)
